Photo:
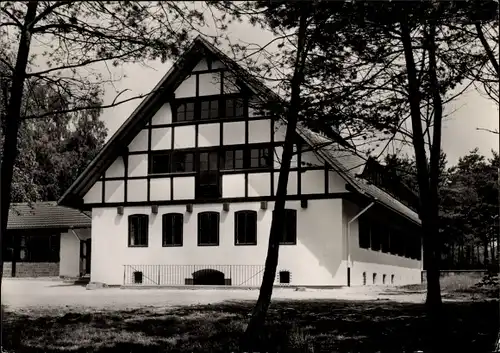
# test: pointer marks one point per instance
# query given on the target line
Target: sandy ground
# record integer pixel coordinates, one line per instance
(35, 293)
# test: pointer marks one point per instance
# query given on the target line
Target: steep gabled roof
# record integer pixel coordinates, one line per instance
(335, 152)
(42, 215)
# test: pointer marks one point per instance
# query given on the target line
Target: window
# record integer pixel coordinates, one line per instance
(138, 228)
(234, 159)
(383, 278)
(289, 236)
(209, 110)
(38, 247)
(185, 112)
(419, 247)
(375, 238)
(234, 108)
(385, 238)
(374, 279)
(160, 163)
(208, 228)
(208, 179)
(364, 232)
(260, 158)
(364, 278)
(245, 227)
(182, 162)
(172, 224)
(176, 162)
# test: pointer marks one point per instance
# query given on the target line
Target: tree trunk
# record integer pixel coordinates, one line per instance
(487, 48)
(12, 122)
(427, 179)
(252, 338)
(433, 299)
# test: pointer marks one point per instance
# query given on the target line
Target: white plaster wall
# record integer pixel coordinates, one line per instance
(117, 169)
(184, 188)
(184, 136)
(159, 189)
(233, 185)
(209, 135)
(209, 84)
(140, 142)
(279, 131)
(259, 184)
(230, 85)
(202, 65)
(114, 191)
(405, 270)
(161, 138)
(137, 165)
(137, 190)
(187, 88)
(315, 260)
(94, 195)
(259, 131)
(234, 133)
(69, 265)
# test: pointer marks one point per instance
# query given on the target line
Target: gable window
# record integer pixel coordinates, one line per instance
(234, 159)
(245, 227)
(209, 110)
(182, 162)
(208, 183)
(289, 236)
(138, 229)
(234, 108)
(160, 163)
(172, 224)
(208, 228)
(184, 112)
(176, 162)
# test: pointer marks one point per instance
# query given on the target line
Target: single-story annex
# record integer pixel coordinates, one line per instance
(46, 240)
(183, 193)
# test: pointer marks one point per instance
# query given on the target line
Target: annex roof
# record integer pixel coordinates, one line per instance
(43, 215)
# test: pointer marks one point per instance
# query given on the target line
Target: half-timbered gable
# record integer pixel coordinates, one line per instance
(184, 190)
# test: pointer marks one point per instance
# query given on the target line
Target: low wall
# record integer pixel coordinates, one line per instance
(32, 269)
(470, 274)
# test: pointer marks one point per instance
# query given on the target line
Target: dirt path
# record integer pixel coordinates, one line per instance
(30, 293)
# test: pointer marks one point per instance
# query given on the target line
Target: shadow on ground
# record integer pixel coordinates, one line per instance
(292, 326)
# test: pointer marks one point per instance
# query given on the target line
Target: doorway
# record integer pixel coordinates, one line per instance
(85, 250)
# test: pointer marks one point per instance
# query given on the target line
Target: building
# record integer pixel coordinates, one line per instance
(46, 240)
(183, 193)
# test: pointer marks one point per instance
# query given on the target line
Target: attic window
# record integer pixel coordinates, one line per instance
(185, 112)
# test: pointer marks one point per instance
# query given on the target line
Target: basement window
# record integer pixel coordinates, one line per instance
(284, 277)
(137, 277)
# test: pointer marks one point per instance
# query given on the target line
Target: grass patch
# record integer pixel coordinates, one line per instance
(292, 326)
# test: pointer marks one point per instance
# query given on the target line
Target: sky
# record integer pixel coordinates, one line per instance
(460, 134)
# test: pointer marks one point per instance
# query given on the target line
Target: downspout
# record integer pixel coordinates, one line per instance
(349, 236)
